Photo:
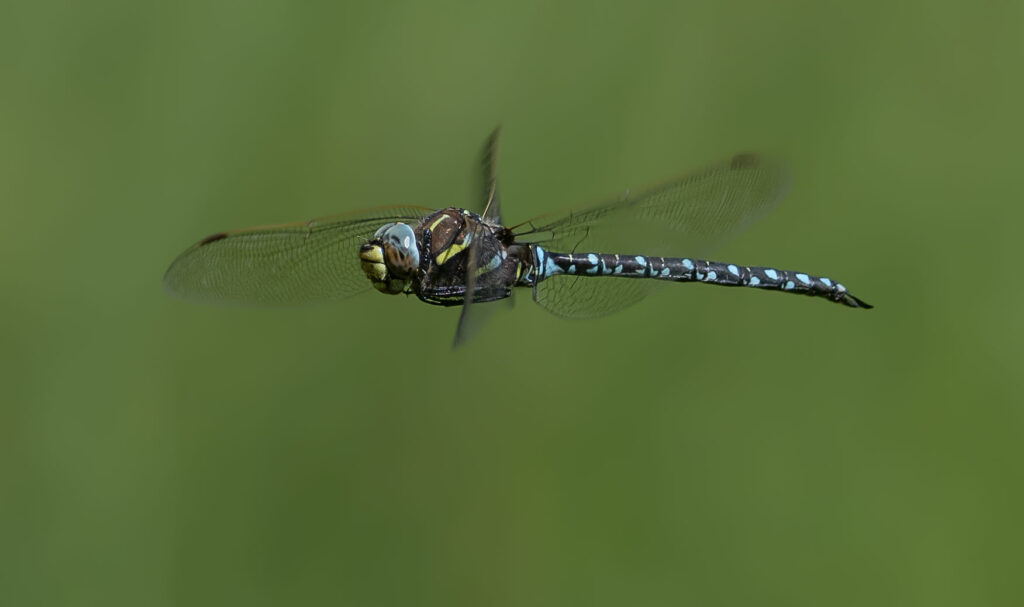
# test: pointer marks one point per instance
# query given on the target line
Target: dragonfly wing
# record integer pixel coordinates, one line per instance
(285, 264)
(473, 317)
(589, 297)
(682, 217)
(489, 178)
(690, 214)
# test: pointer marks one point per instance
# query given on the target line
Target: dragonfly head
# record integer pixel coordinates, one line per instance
(391, 258)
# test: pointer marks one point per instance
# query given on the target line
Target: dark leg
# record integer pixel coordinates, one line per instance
(425, 258)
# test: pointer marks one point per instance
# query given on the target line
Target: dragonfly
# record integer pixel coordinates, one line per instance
(579, 264)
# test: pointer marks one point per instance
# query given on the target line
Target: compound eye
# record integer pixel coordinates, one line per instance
(399, 240)
(400, 236)
(379, 234)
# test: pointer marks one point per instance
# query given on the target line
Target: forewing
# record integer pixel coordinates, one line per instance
(285, 264)
(473, 317)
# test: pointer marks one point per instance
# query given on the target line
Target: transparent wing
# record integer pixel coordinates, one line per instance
(285, 264)
(473, 317)
(685, 215)
(682, 217)
(590, 297)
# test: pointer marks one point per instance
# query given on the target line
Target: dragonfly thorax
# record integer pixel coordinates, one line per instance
(391, 258)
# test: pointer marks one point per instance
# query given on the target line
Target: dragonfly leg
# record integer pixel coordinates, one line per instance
(456, 295)
(425, 257)
(442, 296)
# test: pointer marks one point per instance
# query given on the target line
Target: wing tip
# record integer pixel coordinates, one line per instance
(212, 238)
(746, 160)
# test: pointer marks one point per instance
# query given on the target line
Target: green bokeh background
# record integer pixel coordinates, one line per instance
(706, 447)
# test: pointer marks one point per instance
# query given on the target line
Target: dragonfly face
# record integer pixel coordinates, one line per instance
(391, 258)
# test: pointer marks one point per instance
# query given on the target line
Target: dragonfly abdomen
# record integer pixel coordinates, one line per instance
(685, 269)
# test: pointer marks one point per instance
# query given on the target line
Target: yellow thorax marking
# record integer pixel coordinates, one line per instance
(452, 249)
(437, 222)
(492, 264)
(445, 255)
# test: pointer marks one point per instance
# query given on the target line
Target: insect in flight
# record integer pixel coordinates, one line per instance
(581, 264)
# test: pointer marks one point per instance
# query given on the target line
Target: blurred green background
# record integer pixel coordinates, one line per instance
(706, 447)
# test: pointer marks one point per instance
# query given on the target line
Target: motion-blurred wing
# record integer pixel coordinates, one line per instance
(474, 317)
(489, 178)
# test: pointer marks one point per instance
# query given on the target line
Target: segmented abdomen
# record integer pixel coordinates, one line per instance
(683, 269)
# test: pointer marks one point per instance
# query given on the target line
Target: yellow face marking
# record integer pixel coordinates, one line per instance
(372, 262)
(373, 255)
(375, 271)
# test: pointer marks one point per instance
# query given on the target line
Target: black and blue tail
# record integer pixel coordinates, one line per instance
(683, 269)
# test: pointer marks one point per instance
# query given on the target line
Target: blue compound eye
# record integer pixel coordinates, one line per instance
(401, 252)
